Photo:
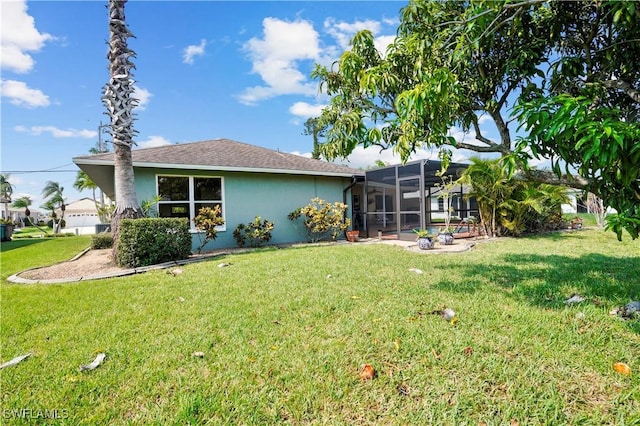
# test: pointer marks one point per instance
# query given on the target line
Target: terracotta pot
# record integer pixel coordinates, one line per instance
(352, 236)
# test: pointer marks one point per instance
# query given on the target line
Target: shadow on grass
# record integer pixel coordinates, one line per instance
(548, 280)
(19, 243)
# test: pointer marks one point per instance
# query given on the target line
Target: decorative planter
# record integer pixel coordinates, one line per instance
(425, 243)
(352, 236)
(445, 238)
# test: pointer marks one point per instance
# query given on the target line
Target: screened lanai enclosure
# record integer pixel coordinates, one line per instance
(396, 200)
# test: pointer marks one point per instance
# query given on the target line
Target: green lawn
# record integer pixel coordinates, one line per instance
(284, 341)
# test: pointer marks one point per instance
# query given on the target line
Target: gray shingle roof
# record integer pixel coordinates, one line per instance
(224, 154)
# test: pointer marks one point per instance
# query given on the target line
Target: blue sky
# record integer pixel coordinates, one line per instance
(204, 70)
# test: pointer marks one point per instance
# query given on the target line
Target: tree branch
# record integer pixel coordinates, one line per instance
(627, 88)
(505, 95)
(545, 176)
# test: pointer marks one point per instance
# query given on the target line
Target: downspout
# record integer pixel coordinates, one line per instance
(354, 182)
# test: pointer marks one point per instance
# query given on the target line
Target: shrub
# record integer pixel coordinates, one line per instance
(102, 240)
(321, 219)
(256, 233)
(207, 220)
(149, 241)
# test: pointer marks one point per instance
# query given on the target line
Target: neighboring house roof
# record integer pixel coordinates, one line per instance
(212, 155)
(83, 205)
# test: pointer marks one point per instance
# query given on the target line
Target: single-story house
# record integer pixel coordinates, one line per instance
(80, 216)
(244, 180)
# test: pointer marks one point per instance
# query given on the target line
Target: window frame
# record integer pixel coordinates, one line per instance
(191, 201)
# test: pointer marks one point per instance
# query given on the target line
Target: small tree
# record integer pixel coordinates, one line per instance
(53, 191)
(444, 194)
(24, 203)
(595, 206)
(207, 220)
(322, 219)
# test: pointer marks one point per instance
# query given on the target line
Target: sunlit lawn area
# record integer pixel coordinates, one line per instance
(285, 332)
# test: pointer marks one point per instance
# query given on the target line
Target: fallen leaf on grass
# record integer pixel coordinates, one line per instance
(622, 368)
(367, 372)
(198, 354)
(416, 270)
(175, 272)
(468, 351)
(95, 364)
(15, 360)
(181, 299)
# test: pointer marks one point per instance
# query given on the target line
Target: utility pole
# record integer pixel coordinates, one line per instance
(101, 128)
(102, 148)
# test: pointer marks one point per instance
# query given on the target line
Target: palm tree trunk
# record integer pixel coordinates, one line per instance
(119, 102)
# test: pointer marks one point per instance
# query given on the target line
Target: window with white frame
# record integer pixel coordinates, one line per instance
(184, 196)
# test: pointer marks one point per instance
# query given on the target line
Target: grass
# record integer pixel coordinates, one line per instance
(284, 341)
(37, 232)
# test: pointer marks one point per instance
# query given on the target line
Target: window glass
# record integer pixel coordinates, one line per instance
(173, 210)
(207, 189)
(184, 196)
(173, 188)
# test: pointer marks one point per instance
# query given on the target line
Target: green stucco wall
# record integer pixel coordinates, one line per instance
(247, 195)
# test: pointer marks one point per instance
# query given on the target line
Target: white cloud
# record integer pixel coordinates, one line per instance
(285, 46)
(306, 110)
(367, 157)
(301, 154)
(57, 133)
(343, 32)
(191, 51)
(276, 57)
(21, 95)
(143, 96)
(153, 141)
(19, 36)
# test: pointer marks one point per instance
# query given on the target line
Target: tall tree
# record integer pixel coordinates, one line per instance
(314, 128)
(119, 102)
(53, 192)
(565, 65)
(6, 191)
(24, 203)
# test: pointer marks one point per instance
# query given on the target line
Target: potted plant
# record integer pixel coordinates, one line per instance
(352, 236)
(425, 241)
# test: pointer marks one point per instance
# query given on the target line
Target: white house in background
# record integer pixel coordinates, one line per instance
(81, 214)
